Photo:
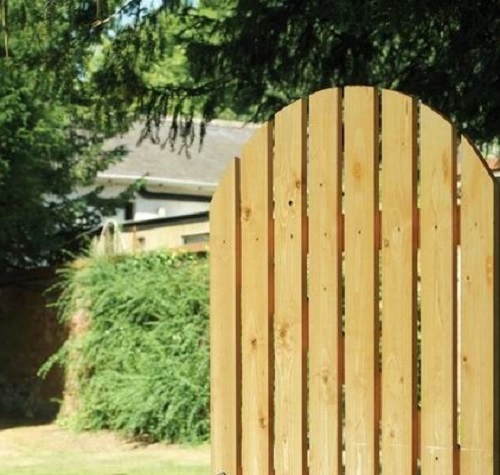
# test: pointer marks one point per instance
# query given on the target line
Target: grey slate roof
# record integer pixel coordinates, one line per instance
(223, 141)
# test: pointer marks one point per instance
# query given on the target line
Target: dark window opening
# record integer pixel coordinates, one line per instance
(129, 211)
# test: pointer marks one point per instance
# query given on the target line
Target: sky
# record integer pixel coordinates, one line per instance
(150, 5)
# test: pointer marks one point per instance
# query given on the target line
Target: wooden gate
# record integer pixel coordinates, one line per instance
(355, 295)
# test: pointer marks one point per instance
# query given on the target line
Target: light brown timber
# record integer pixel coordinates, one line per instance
(399, 278)
(362, 405)
(257, 302)
(479, 304)
(290, 326)
(225, 338)
(325, 282)
(438, 293)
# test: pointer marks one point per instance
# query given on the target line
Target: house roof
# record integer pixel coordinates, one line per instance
(176, 168)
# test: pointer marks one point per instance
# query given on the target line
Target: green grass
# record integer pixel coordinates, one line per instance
(99, 465)
(53, 450)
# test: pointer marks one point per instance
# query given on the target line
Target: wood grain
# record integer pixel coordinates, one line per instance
(290, 329)
(325, 282)
(257, 299)
(479, 304)
(225, 324)
(399, 283)
(361, 281)
(438, 293)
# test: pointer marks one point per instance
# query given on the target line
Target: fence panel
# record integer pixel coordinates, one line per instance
(479, 419)
(290, 285)
(438, 294)
(325, 283)
(361, 281)
(257, 305)
(399, 277)
(225, 323)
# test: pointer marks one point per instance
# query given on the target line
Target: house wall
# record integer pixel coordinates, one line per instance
(150, 208)
(169, 237)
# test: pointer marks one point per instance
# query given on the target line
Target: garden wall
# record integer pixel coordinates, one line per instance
(29, 334)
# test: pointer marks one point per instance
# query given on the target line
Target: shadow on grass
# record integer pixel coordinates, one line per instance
(10, 422)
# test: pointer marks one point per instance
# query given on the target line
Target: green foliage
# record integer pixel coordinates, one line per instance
(50, 146)
(142, 366)
(141, 65)
(120, 58)
(42, 161)
(269, 53)
(256, 57)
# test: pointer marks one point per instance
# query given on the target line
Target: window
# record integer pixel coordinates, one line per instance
(129, 211)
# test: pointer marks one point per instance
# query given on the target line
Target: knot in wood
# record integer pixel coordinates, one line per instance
(247, 212)
(253, 343)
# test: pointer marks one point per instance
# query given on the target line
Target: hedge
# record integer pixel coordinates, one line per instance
(142, 366)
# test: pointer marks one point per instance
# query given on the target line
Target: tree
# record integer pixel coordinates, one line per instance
(256, 57)
(446, 53)
(95, 65)
(49, 146)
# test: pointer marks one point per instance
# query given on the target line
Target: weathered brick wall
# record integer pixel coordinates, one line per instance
(29, 334)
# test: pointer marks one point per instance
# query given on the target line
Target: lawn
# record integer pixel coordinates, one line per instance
(51, 450)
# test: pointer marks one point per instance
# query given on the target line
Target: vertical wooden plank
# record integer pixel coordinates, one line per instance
(438, 293)
(257, 303)
(290, 331)
(479, 415)
(399, 283)
(361, 281)
(325, 268)
(225, 344)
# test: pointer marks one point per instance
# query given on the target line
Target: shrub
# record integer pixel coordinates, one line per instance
(142, 366)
